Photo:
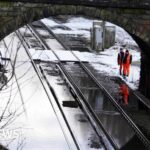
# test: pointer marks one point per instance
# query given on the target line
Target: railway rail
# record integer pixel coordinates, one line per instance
(98, 132)
(78, 92)
(123, 111)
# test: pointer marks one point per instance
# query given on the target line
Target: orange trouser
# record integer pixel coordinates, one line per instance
(126, 69)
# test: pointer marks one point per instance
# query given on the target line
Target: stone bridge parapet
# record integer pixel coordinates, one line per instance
(96, 3)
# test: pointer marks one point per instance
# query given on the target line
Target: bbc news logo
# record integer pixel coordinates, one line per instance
(9, 134)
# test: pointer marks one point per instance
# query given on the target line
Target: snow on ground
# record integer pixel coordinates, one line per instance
(29, 122)
(106, 61)
(81, 26)
(78, 26)
(54, 44)
(43, 55)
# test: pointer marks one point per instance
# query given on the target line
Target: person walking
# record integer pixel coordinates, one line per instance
(126, 63)
(120, 60)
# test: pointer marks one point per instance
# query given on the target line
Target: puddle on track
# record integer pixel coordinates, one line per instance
(111, 119)
(137, 111)
(80, 125)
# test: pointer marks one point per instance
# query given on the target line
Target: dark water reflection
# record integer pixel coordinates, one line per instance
(135, 108)
(110, 117)
(76, 118)
(126, 98)
(112, 120)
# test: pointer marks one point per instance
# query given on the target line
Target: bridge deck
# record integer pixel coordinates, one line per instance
(98, 3)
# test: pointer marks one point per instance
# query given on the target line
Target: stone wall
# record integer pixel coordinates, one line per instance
(96, 3)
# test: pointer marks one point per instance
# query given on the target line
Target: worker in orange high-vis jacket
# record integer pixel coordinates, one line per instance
(120, 60)
(126, 63)
(125, 93)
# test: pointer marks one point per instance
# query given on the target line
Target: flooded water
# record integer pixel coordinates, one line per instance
(126, 98)
(111, 119)
(78, 121)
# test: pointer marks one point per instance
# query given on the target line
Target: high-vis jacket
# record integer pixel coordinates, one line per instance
(127, 58)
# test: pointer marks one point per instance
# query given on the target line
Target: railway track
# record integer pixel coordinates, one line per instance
(96, 131)
(96, 117)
